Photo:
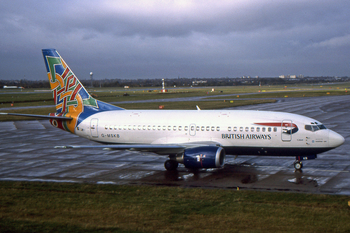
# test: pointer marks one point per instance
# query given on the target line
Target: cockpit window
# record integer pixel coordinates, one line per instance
(308, 127)
(314, 126)
(322, 127)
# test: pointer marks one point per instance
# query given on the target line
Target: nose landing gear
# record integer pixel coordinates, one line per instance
(298, 165)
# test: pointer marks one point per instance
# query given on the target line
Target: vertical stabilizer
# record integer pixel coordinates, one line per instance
(70, 96)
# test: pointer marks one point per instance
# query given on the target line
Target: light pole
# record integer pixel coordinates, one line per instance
(91, 74)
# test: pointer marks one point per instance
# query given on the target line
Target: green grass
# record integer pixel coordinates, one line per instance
(60, 207)
(285, 94)
(191, 105)
(35, 111)
(31, 97)
(188, 105)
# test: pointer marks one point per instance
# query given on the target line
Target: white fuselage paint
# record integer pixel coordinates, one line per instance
(229, 128)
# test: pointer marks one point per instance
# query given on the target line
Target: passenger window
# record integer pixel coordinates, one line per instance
(106, 127)
(241, 129)
(263, 129)
(129, 127)
(180, 128)
(252, 129)
(139, 127)
(143, 127)
(229, 128)
(159, 127)
(164, 127)
(186, 128)
(208, 128)
(235, 128)
(134, 127)
(174, 128)
(169, 127)
(124, 127)
(154, 127)
(202, 128)
(212, 128)
(149, 127)
(274, 129)
(218, 128)
(246, 129)
(197, 128)
(269, 129)
(192, 128)
(257, 129)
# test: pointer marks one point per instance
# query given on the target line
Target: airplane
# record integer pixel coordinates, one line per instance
(195, 138)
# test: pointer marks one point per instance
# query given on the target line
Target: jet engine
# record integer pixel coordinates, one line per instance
(204, 157)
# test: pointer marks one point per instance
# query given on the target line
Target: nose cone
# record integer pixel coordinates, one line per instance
(335, 139)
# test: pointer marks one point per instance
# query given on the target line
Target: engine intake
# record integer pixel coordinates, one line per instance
(204, 157)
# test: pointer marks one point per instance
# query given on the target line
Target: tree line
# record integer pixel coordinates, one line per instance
(180, 82)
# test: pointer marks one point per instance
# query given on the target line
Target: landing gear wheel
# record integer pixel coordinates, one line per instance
(171, 165)
(298, 165)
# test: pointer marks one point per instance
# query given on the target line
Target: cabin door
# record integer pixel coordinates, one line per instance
(286, 133)
(94, 127)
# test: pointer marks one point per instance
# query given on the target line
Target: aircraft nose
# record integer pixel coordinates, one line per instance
(335, 139)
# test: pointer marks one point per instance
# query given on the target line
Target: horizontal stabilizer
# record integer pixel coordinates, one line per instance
(37, 116)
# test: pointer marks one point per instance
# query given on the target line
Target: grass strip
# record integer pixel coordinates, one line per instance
(31, 97)
(286, 94)
(191, 105)
(187, 105)
(65, 207)
(35, 111)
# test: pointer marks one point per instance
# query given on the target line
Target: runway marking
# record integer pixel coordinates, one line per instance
(310, 169)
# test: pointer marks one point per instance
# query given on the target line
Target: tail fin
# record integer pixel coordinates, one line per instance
(70, 96)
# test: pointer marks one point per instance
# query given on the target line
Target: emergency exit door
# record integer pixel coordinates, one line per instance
(94, 127)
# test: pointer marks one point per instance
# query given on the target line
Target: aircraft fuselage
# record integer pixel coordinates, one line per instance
(237, 131)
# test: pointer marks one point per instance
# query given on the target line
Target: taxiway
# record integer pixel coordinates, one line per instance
(27, 154)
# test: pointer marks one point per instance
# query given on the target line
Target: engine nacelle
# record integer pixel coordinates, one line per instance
(204, 157)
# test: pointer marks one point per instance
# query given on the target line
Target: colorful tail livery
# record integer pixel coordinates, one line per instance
(71, 98)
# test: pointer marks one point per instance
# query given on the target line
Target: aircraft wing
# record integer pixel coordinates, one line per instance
(38, 116)
(162, 149)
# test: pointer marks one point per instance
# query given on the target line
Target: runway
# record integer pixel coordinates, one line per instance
(27, 154)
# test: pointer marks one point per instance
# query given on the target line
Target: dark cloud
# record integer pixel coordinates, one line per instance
(153, 39)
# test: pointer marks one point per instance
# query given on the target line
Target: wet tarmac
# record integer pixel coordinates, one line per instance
(27, 154)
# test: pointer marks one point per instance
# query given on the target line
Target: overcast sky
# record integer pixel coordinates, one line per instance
(167, 39)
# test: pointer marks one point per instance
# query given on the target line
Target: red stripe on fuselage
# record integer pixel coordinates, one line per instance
(277, 124)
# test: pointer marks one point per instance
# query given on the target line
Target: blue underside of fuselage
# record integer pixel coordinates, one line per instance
(275, 151)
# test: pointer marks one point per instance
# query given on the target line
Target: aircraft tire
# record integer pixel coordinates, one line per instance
(171, 165)
(298, 165)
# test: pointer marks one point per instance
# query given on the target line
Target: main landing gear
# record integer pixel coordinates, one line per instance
(171, 165)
